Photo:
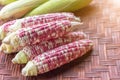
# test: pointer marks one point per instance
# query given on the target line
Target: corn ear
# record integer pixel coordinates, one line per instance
(18, 9)
(11, 26)
(31, 51)
(57, 57)
(59, 5)
(43, 32)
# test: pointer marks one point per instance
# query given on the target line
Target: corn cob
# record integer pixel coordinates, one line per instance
(35, 20)
(59, 6)
(5, 2)
(27, 36)
(29, 52)
(18, 9)
(4, 29)
(57, 57)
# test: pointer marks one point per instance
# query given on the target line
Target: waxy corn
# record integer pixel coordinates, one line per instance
(27, 36)
(57, 57)
(29, 52)
(33, 21)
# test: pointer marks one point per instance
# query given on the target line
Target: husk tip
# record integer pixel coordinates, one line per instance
(20, 58)
(29, 70)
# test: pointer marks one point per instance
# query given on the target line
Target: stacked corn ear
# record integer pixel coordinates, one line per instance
(12, 26)
(44, 42)
(31, 35)
(29, 52)
(57, 57)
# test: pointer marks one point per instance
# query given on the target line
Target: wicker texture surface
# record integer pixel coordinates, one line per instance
(101, 24)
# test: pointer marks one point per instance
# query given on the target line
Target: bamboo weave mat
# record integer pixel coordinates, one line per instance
(101, 23)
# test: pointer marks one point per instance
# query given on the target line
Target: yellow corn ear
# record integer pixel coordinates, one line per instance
(18, 9)
(58, 6)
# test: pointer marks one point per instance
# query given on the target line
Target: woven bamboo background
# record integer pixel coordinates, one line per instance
(101, 23)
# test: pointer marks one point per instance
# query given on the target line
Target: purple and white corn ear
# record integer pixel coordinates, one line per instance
(39, 33)
(29, 52)
(12, 26)
(57, 57)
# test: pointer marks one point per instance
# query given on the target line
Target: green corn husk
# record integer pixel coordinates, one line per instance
(5, 2)
(18, 9)
(58, 6)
